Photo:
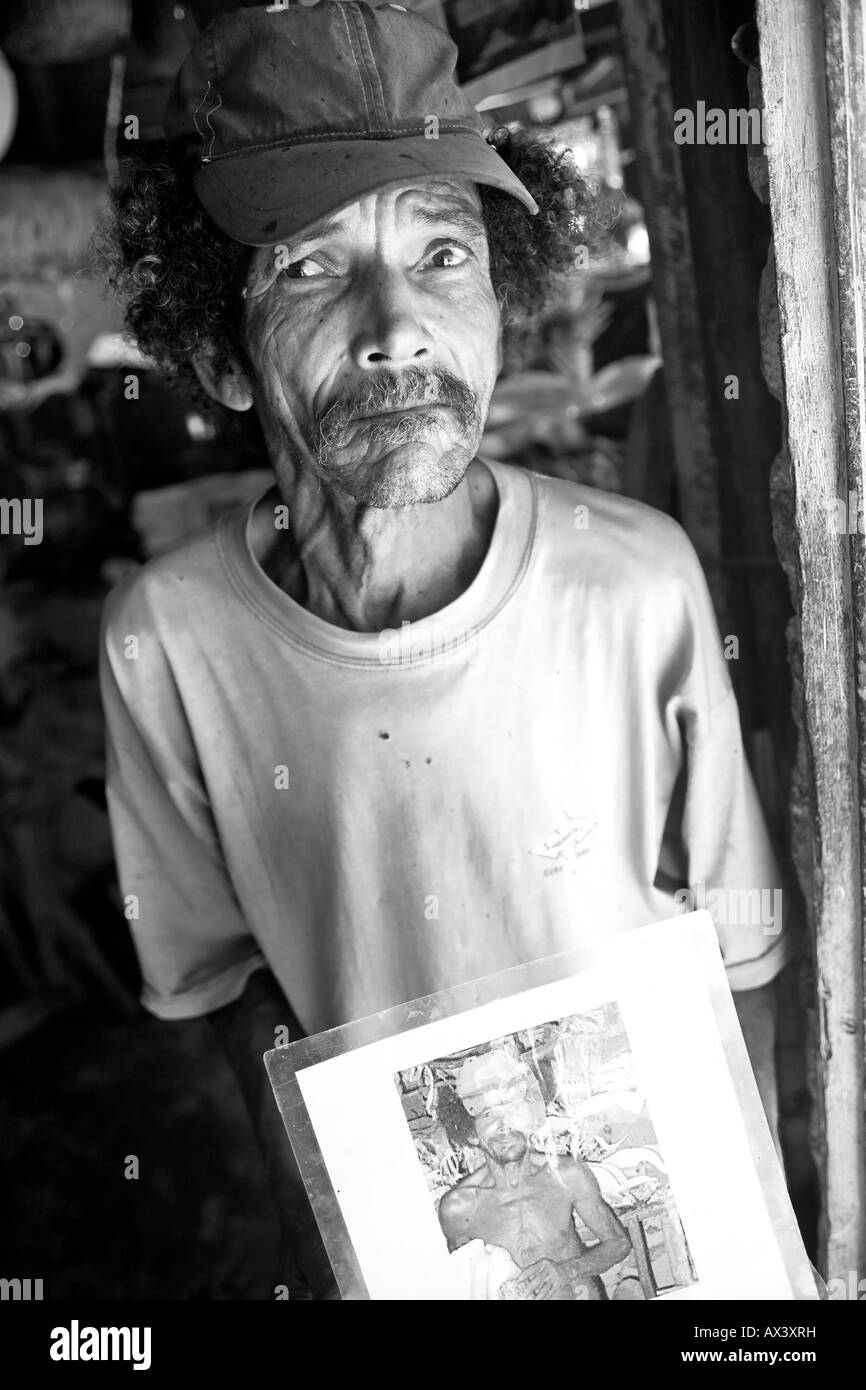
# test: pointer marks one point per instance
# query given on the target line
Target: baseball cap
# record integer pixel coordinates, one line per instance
(297, 111)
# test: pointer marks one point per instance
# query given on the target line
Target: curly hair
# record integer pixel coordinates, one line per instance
(180, 276)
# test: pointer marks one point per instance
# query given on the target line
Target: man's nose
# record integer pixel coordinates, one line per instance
(391, 328)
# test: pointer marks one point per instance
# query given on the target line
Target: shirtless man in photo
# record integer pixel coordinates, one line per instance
(517, 1200)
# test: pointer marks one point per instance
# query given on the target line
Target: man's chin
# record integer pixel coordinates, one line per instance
(408, 475)
(510, 1150)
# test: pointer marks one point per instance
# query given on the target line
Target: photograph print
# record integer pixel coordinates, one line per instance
(542, 1163)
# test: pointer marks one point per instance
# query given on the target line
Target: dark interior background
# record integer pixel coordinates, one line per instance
(88, 1081)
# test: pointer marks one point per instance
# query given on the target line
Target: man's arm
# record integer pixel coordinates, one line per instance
(455, 1213)
(245, 1030)
(594, 1212)
(756, 1010)
(194, 945)
(716, 835)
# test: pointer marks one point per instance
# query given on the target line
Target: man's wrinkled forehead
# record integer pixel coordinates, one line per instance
(426, 201)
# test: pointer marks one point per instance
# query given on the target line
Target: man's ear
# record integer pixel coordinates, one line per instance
(230, 386)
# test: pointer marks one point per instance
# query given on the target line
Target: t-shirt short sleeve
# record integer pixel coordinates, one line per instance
(731, 868)
(195, 950)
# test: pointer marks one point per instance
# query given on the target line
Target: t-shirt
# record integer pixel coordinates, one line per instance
(379, 816)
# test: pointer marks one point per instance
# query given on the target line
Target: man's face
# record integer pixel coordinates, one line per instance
(505, 1116)
(375, 347)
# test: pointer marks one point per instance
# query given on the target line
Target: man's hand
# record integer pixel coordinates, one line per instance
(245, 1030)
(544, 1280)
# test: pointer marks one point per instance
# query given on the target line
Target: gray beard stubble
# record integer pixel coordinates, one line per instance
(387, 390)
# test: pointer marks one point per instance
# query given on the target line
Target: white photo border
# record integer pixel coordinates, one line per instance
(343, 1115)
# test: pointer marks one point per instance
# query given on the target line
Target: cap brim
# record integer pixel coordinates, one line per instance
(263, 197)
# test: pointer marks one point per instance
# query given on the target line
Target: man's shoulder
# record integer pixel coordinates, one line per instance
(575, 1171)
(463, 1195)
(618, 537)
(167, 592)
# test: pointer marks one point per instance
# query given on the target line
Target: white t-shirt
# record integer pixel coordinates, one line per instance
(380, 816)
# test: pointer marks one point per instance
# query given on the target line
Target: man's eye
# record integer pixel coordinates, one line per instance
(306, 269)
(446, 257)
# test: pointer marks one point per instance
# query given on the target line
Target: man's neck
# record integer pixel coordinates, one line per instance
(512, 1174)
(368, 569)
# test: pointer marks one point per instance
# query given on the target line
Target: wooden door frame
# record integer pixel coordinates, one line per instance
(812, 71)
(812, 77)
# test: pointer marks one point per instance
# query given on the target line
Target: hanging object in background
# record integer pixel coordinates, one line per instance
(113, 113)
(161, 36)
(72, 312)
(28, 351)
(8, 105)
(169, 516)
(63, 31)
(46, 223)
(489, 33)
(544, 421)
(47, 218)
(594, 141)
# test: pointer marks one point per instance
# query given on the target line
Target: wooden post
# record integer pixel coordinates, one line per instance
(708, 237)
(663, 194)
(812, 77)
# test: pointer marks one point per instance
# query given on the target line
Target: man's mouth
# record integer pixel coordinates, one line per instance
(399, 410)
(414, 405)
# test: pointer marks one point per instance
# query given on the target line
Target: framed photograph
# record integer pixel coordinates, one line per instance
(583, 1128)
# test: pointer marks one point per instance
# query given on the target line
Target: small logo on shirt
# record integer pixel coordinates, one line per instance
(568, 841)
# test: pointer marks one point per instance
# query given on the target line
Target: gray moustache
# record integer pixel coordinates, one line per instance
(413, 388)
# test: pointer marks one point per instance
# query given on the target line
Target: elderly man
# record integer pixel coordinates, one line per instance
(410, 717)
(517, 1201)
